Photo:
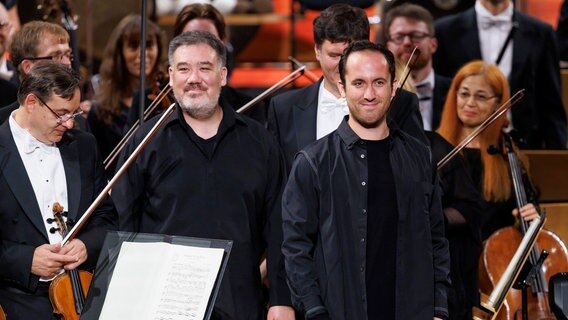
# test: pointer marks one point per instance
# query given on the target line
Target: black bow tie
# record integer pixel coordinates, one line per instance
(424, 91)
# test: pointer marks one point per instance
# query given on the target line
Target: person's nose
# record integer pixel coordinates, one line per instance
(370, 93)
(69, 124)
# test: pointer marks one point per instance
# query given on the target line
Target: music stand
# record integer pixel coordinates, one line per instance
(109, 256)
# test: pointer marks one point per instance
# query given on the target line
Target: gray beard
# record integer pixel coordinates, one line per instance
(200, 111)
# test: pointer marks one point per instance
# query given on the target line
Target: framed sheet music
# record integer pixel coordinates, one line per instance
(165, 277)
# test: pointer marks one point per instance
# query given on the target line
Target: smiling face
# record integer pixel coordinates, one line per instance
(476, 100)
(196, 76)
(401, 43)
(42, 123)
(367, 88)
(131, 55)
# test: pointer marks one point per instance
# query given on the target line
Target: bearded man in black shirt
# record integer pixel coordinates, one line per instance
(362, 217)
(211, 173)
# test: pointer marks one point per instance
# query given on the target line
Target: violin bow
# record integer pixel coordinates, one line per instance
(277, 86)
(116, 151)
(79, 224)
(499, 112)
(310, 75)
(405, 73)
(104, 193)
(167, 89)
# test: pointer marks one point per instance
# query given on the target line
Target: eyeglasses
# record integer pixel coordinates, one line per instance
(464, 95)
(415, 37)
(56, 57)
(64, 118)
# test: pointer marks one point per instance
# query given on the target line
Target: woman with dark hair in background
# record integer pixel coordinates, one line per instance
(119, 80)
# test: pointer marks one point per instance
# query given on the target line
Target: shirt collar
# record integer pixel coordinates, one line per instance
(229, 120)
(482, 12)
(326, 99)
(26, 141)
(351, 138)
(428, 80)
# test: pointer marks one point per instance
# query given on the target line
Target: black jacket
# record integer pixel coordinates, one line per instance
(323, 212)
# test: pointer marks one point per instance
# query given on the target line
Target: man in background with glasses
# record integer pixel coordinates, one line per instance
(38, 41)
(408, 26)
(43, 160)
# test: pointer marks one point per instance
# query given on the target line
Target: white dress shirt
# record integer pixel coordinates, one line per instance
(45, 170)
(425, 93)
(493, 32)
(331, 111)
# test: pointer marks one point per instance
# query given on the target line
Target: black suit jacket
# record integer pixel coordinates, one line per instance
(539, 117)
(292, 118)
(441, 87)
(21, 225)
(8, 92)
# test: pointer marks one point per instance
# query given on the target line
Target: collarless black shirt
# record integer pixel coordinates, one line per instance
(382, 221)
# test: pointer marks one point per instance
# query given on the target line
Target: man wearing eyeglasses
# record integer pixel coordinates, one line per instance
(38, 41)
(408, 26)
(43, 160)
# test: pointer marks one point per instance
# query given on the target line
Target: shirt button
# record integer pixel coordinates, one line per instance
(364, 211)
(363, 183)
(362, 239)
(362, 269)
(362, 156)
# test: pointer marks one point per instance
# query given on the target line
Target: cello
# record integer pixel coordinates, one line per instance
(499, 248)
(67, 291)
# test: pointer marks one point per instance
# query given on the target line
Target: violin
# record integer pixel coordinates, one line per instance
(2, 315)
(499, 250)
(68, 290)
(159, 92)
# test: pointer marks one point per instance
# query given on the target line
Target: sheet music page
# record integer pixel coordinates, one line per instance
(161, 281)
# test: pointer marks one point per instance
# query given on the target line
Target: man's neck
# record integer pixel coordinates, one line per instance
(205, 128)
(379, 132)
(420, 75)
(495, 6)
(331, 87)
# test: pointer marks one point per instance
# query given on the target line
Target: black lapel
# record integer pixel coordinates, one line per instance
(469, 36)
(305, 115)
(17, 178)
(522, 41)
(441, 87)
(70, 156)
